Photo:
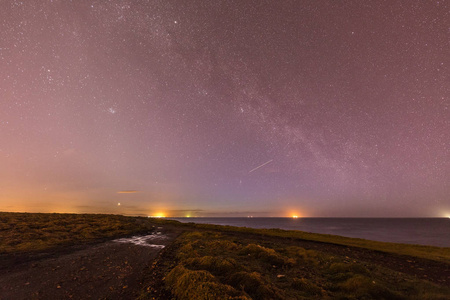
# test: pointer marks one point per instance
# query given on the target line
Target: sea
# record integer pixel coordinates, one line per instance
(420, 231)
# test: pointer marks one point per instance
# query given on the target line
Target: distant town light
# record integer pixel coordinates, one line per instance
(158, 215)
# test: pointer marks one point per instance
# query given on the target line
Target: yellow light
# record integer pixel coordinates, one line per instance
(295, 217)
(158, 215)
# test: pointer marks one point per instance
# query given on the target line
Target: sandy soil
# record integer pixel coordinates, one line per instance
(109, 270)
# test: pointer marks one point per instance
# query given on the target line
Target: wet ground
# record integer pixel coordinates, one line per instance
(109, 270)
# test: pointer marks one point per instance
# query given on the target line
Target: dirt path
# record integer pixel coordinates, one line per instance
(110, 270)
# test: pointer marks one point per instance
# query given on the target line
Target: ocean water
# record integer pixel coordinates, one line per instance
(421, 231)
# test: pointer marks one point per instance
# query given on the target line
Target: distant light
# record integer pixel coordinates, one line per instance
(158, 215)
(295, 217)
(118, 204)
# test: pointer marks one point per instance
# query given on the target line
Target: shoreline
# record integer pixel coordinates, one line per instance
(281, 262)
(411, 231)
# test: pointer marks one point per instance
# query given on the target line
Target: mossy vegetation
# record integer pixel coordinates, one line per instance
(199, 284)
(214, 265)
(25, 232)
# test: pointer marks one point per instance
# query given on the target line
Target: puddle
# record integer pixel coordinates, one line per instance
(144, 240)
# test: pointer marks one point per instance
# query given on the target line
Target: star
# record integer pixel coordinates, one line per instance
(353, 110)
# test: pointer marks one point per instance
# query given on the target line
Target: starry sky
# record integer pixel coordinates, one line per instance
(226, 108)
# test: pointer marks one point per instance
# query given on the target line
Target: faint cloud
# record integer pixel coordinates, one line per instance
(127, 192)
(183, 211)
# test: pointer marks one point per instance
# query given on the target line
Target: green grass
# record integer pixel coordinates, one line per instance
(25, 232)
(214, 265)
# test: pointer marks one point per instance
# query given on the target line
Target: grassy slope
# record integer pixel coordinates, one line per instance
(219, 265)
(212, 262)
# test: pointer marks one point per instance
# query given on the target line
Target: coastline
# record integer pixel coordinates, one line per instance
(414, 231)
(278, 263)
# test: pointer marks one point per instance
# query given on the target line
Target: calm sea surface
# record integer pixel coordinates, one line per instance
(423, 231)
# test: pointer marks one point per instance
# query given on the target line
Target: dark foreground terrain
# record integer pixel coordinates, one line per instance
(108, 270)
(87, 257)
(235, 265)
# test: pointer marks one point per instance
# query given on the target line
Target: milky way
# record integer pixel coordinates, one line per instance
(232, 108)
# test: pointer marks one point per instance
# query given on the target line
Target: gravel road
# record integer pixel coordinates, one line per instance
(109, 270)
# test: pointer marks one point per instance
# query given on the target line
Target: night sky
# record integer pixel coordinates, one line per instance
(226, 108)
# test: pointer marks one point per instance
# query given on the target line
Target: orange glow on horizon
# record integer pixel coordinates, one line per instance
(158, 215)
(294, 213)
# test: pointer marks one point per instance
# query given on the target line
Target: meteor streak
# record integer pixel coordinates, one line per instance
(268, 162)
